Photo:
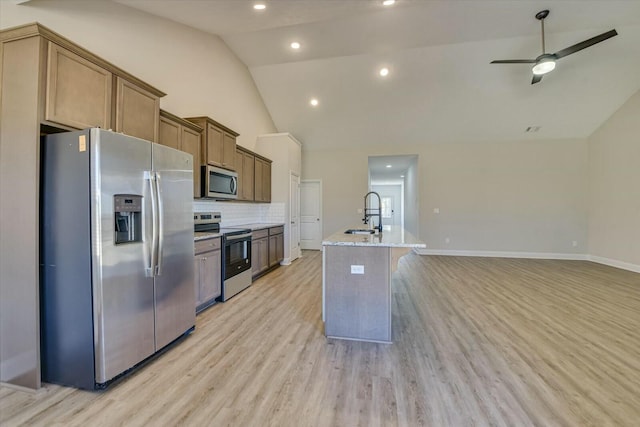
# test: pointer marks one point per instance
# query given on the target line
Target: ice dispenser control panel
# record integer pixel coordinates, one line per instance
(128, 218)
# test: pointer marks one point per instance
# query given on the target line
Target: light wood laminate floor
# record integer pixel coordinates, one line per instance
(477, 341)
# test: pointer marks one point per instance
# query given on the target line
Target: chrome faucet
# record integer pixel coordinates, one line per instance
(368, 211)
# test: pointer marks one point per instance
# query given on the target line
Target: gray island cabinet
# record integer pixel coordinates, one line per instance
(356, 282)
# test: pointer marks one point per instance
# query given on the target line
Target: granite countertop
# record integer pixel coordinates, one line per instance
(203, 235)
(393, 237)
(259, 226)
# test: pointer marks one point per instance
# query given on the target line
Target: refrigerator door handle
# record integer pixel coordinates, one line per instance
(153, 253)
(160, 229)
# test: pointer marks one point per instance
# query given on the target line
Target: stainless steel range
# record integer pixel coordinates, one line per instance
(236, 253)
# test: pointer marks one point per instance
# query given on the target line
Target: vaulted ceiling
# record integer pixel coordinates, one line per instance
(441, 86)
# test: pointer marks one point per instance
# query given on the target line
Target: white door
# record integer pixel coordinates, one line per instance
(311, 214)
(294, 217)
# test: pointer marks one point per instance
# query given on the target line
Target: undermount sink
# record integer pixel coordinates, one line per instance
(359, 231)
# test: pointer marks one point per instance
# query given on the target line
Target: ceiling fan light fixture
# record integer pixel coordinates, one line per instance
(544, 66)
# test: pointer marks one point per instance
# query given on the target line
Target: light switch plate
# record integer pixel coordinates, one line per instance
(357, 269)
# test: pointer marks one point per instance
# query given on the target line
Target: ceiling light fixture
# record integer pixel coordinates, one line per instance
(401, 176)
(259, 6)
(295, 45)
(388, 166)
(388, 2)
(384, 72)
(545, 64)
(314, 102)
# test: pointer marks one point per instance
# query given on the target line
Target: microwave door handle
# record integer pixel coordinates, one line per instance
(160, 233)
(233, 185)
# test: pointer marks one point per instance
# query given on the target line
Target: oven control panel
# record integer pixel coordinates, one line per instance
(207, 218)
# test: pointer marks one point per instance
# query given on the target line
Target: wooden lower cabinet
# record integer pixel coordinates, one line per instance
(276, 245)
(267, 249)
(259, 252)
(207, 273)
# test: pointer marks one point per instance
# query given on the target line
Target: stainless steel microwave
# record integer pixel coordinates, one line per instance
(219, 183)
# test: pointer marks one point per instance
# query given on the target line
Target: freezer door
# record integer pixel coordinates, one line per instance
(174, 289)
(123, 291)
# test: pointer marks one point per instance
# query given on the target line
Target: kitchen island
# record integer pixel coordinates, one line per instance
(356, 282)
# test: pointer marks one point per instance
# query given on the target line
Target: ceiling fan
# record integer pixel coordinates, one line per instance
(547, 61)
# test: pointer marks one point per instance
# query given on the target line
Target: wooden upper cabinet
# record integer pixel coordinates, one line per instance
(240, 171)
(228, 151)
(214, 145)
(185, 136)
(78, 92)
(245, 161)
(191, 144)
(262, 180)
(248, 169)
(218, 143)
(259, 165)
(266, 182)
(169, 133)
(137, 111)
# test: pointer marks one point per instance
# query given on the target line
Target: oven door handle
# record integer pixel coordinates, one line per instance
(239, 237)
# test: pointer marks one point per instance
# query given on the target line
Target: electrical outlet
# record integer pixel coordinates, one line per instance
(359, 210)
(436, 210)
(357, 269)
(575, 244)
(447, 240)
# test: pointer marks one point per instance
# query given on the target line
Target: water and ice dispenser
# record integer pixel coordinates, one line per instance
(128, 218)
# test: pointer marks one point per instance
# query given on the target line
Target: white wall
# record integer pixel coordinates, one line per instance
(520, 196)
(285, 151)
(199, 73)
(614, 187)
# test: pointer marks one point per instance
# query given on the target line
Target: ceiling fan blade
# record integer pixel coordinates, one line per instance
(584, 44)
(536, 78)
(514, 61)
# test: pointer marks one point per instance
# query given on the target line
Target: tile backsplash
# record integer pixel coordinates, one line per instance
(238, 213)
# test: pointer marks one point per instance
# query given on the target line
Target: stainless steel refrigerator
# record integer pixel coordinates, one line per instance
(116, 254)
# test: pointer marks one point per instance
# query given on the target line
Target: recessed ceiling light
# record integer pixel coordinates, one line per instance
(388, 166)
(401, 176)
(384, 72)
(314, 102)
(295, 45)
(388, 2)
(259, 6)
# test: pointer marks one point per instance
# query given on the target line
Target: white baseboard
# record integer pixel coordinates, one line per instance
(615, 263)
(533, 255)
(503, 254)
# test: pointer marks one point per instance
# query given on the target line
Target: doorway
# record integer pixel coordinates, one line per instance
(395, 179)
(311, 214)
(392, 200)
